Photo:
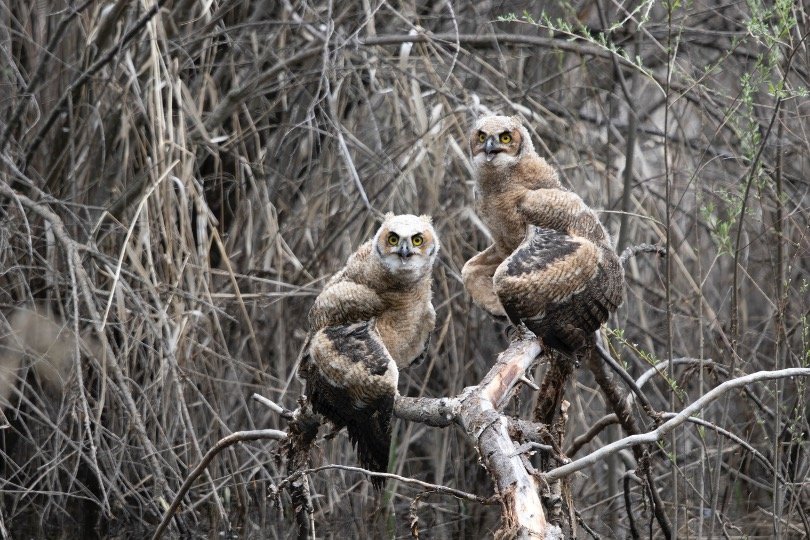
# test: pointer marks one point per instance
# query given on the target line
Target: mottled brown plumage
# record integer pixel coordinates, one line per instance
(373, 317)
(552, 264)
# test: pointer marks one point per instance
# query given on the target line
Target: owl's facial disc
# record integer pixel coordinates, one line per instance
(407, 246)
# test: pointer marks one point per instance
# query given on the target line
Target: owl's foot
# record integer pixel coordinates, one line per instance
(519, 332)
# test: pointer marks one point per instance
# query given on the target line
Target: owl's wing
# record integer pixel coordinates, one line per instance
(344, 302)
(352, 380)
(562, 287)
(562, 210)
(547, 268)
(477, 277)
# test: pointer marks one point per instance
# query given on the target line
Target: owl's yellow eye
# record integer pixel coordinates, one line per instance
(506, 138)
(481, 137)
(417, 240)
(393, 239)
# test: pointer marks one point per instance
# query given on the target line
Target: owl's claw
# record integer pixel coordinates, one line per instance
(519, 332)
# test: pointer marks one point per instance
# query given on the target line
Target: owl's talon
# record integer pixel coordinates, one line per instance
(521, 332)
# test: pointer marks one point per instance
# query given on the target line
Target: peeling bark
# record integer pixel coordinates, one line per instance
(477, 410)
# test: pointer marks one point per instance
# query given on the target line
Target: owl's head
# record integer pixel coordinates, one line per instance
(499, 141)
(407, 245)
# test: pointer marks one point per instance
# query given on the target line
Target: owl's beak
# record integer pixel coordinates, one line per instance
(404, 251)
(490, 147)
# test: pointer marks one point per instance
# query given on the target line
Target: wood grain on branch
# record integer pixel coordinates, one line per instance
(477, 410)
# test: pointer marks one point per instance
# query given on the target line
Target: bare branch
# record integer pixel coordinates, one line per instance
(225, 442)
(437, 412)
(436, 488)
(493, 40)
(632, 251)
(275, 407)
(681, 417)
(523, 514)
(595, 429)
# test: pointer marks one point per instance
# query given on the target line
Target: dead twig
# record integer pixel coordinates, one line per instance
(631, 251)
(225, 442)
(436, 488)
(627, 420)
(658, 434)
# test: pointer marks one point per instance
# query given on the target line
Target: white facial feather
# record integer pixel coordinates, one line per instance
(404, 259)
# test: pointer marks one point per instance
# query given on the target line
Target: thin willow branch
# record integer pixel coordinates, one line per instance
(223, 443)
(494, 39)
(668, 426)
(436, 488)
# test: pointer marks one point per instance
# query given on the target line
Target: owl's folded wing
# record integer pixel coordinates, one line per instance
(546, 269)
(344, 302)
(564, 211)
(352, 380)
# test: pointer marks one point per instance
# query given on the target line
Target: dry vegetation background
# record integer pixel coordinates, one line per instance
(178, 178)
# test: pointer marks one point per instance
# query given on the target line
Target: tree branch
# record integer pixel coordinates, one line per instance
(662, 430)
(433, 488)
(488, 40)
(477, 410)
(223, 443)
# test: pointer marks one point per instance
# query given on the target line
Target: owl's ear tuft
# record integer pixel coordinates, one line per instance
(426, 218)
(516, 118)
(388, 215)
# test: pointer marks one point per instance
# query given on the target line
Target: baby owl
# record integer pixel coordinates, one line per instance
(552, 264)
(373, 317)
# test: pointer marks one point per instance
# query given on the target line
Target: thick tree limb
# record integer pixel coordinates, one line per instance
(559, 369)
(477, 410)
(302, 430)
(436, 412)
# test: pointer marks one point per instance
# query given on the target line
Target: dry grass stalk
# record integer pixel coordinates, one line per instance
(177, 179)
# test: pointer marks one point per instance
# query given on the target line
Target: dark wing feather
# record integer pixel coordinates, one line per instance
(562, 287)
(352, 380)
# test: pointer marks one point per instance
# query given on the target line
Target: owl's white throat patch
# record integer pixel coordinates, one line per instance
(405, 267)
(498, 159)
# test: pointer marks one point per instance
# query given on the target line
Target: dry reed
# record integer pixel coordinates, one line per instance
(178, 178)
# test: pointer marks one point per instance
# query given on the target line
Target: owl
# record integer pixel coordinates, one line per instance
(552, 265)
(373, 318)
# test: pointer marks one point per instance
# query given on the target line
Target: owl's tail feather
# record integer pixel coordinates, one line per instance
(369, 428)
(372, 439)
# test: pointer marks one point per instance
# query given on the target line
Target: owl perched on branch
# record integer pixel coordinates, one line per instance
(372, 318)
(552, 265)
